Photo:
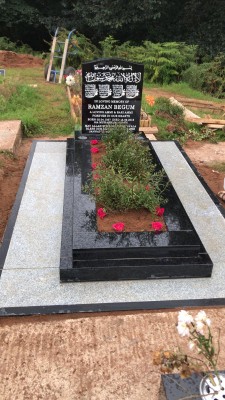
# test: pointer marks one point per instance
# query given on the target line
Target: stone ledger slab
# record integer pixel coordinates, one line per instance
(30, 276)
(90, 255)
(10, 135)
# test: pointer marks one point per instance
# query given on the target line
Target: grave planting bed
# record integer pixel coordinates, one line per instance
(88, 255)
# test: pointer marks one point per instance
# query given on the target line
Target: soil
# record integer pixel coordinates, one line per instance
(11, 60)
(91, 356)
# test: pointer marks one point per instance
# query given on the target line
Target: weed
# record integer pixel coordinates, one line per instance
(2, 103)
(218, 166)
(31, 126)
(165, 106)
(7, 153)
(202, 134)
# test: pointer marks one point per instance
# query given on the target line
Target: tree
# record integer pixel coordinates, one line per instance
(124, 20)
(204, 24)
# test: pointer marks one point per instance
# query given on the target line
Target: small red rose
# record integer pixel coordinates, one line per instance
(119, 226)
(101, 213)
(94, 150)
(157, 226)
(94, 165)
(159, 211)
(94, 141)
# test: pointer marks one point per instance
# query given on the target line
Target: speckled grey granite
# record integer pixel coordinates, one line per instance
(31, 272)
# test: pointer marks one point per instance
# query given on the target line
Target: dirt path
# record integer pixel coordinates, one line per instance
(212, 106)
(88, 357)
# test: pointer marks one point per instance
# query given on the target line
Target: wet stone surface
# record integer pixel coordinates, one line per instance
(87, 254)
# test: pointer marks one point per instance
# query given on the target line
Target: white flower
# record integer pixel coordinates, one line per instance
(70, 81)
(183, 329)
(191, 345)
(200, 327)
(202, 317)
(183, 316)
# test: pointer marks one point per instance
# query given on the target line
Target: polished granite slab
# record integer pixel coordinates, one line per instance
(90, 255)
(30, 281)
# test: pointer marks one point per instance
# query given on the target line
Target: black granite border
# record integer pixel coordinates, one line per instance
(164, 305)
(101, 307)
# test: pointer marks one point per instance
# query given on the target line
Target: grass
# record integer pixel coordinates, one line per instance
(42, 107)
(183, 89)
(218, 166)
(172, 130)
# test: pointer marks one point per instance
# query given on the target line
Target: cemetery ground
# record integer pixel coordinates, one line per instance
(96, 356)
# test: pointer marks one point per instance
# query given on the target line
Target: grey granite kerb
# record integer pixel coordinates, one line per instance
(31, 271)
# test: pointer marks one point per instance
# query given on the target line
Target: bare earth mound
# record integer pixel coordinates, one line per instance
(10, 59)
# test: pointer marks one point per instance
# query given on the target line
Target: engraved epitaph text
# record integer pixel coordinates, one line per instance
(111, 93)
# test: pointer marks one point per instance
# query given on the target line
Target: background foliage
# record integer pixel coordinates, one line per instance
(199, 22)
(174, 40)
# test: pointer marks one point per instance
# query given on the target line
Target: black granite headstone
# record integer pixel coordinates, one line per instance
(111, 93)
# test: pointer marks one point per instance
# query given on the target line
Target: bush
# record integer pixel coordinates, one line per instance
(208, 77)
(214, 82)
(164, 105)
(116, 134)
(126, 176)
(164, 62)
(195, 75)
(6, 44)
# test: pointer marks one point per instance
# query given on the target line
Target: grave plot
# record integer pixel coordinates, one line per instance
(111, 92)
(88, 255)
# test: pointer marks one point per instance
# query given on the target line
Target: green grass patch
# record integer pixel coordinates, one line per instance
(42, 107)
(183, 89)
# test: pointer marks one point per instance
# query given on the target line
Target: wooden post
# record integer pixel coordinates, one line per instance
(71, 105)
(51, 58)
(63, 60)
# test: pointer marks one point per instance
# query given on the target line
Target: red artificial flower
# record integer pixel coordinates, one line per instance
(159, 211)
(94, 150)
(119, 226)
(96, 177)
(101, 213)
(157, 226)
(94, 165)
(94, 141)
(147, 187)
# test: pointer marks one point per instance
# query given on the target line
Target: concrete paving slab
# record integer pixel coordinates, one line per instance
(10, 135)
(30, 277)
